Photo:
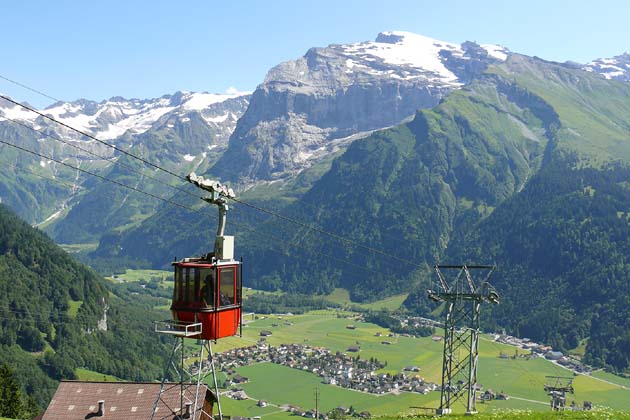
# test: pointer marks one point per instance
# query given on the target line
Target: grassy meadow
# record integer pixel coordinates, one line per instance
(342, 297)
(520, 378)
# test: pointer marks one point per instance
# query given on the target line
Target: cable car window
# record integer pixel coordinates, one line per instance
(206, 291)
(197, 285)
(226, 289)
(185, 284)
(177, 284)
(190, 284)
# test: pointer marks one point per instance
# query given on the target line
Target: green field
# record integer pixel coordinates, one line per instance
(599, 414)
(342, 297)
(249, 409)
(89, 375)
(138, 275)
(277, 385)
(73, 307)
(600, 374)
(520, 378)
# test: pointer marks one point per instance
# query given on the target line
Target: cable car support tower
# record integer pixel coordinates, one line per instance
(557, 388)
(190, 374)
(463, 298)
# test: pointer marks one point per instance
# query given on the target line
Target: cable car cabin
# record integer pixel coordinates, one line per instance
(208, 292)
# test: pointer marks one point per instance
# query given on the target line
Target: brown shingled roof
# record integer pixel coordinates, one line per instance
(79, 400)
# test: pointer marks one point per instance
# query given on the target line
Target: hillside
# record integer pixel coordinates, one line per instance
(526, 166)
(58, 315)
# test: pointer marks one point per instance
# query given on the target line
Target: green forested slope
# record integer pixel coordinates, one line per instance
(107, 207)
(561, 246)
(50, 307)
(407, 190)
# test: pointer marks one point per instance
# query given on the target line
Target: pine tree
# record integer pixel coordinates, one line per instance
(10, 396)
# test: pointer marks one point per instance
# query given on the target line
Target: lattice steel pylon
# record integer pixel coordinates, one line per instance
(463, 297)
(190, 378)
(557, 388)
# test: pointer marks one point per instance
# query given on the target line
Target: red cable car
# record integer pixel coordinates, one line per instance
(208, 290)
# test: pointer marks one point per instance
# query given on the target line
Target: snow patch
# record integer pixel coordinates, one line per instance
(219, 119)
(189, 158)
(138, 123)
(232, 91)
(496, 51)
(400, 48)
(18, 113)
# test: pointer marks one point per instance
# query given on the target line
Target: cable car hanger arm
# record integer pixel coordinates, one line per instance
(219, 196)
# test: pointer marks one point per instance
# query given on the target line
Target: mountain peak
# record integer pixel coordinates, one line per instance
(396, 37)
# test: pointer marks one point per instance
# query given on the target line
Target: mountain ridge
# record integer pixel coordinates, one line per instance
(340, 90)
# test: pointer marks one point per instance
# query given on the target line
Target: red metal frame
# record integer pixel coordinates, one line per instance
(217, 321)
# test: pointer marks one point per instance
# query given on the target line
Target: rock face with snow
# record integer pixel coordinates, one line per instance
(179, 131)
(617, 67)
(306, 107)
(110, 119)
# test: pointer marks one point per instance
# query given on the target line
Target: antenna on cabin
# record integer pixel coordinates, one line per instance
(463, 297)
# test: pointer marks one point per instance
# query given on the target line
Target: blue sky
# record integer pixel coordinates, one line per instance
(96, 50)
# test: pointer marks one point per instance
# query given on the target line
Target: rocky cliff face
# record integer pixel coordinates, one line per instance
(305, 108)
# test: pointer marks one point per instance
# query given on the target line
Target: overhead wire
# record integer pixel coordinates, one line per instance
(90, 136)
(92, 174)
(190, 209)
(67, 184)
(255, 231)
(324, 232)
(29, 88)
(258, 208)
(124, 165)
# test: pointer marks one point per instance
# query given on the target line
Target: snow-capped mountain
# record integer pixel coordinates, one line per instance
(617, 67)
(305, 108)
(119, 120)
(182, 131)
(114, 117)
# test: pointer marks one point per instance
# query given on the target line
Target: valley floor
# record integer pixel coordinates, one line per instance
(522, 379)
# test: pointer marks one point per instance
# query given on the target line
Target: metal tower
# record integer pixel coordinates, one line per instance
(463, 297)
(202, 307)
(189, 375)
(557, 389)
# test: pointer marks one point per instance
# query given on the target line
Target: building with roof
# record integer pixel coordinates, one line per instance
(79, 400)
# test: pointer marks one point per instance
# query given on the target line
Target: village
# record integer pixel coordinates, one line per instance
(334, 368)
(533, 349)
